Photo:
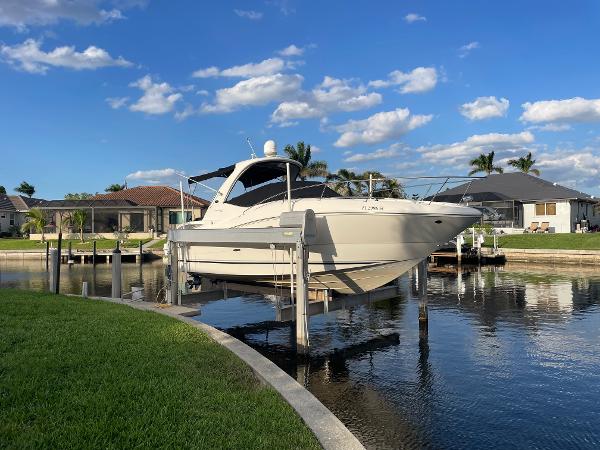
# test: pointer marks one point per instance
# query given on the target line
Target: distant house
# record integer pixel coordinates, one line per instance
(516, 200)
(13, 209)
(140, 211)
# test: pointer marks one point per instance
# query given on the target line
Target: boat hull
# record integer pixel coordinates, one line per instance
(354, 251)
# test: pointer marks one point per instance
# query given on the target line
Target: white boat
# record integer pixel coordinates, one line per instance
(361, 243)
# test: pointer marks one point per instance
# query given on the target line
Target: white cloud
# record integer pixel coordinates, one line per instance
(187, 112)
(252, 15)
(381, 153)
(485, 108)
(421, 79)
(117, 102)
(209, 72)
(267, 67)
(291, 50)
(331, 95)
(413, 17)
(466, 49)
(283, 5)
(21, 13)
(459, 152)
(29, 57)
(578, 168)
(154, 176)
(158, 98)
(255, 91)
(379, 127)
(551, 127)
(202, 92)
(572, 110)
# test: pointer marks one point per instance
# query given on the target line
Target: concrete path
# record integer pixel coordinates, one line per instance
(149, 244)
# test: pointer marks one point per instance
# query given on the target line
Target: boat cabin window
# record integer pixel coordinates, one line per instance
(266, 181)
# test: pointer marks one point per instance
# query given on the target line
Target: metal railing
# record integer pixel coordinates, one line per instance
(355, 189)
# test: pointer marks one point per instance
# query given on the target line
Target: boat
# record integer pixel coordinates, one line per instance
(362, 243)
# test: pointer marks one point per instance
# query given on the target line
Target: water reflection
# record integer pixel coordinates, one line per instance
(511, 358)
(32, 275)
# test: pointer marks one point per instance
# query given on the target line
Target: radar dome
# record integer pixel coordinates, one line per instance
(270, 148)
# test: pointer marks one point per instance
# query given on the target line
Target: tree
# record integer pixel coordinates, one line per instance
(345, 182)
(302, 154)
(25, 188)
(78, 196)
(36, 220)
(2, 190)
(78, 219)
(484, 163)
(524, 164)
(115, 187)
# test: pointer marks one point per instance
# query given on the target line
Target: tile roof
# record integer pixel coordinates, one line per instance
(511, 186)
(23, 203)
(87, 203)
(6, 204)
(163, 196)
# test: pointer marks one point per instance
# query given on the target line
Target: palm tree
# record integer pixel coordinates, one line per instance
(524, 164)
(345, 182)
(310, 169)
(484, 163)
(36, 220)
(26, 188)
(115, 187)
(78, 219)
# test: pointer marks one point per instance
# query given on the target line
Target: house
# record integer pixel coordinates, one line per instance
(12, 211)
(513, 201)
(141, 212)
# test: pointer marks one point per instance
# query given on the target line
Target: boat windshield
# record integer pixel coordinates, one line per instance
(266, 181)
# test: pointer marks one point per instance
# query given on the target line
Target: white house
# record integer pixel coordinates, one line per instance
(515, 201)
(13, 209)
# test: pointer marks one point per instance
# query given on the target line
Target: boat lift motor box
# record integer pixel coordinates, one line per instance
(305, 220)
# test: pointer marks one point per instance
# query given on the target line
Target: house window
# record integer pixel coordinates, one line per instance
(12, 218)
(545, 209)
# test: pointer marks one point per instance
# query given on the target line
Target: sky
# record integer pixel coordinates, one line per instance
(95, 92)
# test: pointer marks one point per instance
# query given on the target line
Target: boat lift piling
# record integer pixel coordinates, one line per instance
(422, 293)
(296, 231)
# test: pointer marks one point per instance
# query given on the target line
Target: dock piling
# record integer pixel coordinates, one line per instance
(422, 290)
(84, 289)
(47, 254)
(173, 281)
(58, 263)
(302, 343)
(94, 252)
(116, 273)
(54, 270)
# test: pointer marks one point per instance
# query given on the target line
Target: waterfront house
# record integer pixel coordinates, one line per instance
(140, 212)
(13, 209)
(514, 201)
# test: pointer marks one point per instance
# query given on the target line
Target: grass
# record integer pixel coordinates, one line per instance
(80, 373)
(553, 241)
(101, 244)
(158, 244)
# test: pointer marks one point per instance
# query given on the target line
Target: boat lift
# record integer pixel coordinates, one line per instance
(296, 232)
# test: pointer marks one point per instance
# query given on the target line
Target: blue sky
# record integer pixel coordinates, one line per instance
(94, 92)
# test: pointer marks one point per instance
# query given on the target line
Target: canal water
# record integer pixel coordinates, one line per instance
(511, 359)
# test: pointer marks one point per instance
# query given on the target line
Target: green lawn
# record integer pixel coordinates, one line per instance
(80, 373)
(158, 245)
(556, 241)
(101, 244)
